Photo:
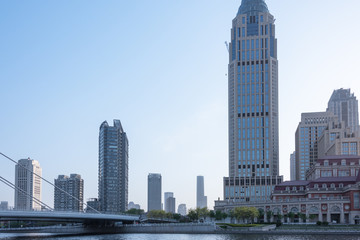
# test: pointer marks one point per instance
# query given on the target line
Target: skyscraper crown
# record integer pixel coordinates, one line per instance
(252, 7)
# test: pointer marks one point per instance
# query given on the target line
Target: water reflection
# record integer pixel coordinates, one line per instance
(183, 237)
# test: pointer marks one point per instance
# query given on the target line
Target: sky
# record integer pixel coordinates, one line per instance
(160, 67)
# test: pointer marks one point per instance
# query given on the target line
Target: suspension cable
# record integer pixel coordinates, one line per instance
(68, 194)
(7, 182)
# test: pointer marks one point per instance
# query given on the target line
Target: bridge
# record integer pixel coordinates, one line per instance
(78, 223)
(66, 217)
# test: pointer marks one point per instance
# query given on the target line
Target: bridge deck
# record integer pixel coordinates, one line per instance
(64, 217)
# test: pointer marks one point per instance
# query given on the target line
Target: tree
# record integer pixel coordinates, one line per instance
(193, 215)
(261, 214)
(218, 215)
(156, 214)
(291, 215)
(202, 212)
(246, 213)
(176, 216)
(224, 215)
(135, 211)
(312, 216)
(212, 214)
(269, 215)
(303, 217)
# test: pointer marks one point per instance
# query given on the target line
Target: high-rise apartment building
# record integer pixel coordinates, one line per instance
(113, 168)
(154, 191)
(293, 166)
(28, 184)
(201, 199)
(344, 104)
(253, 105)
(307, 134)
(71, 196)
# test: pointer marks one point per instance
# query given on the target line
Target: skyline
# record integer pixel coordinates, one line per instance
(165, 106)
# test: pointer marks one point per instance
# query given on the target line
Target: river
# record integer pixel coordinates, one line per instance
(182, 237)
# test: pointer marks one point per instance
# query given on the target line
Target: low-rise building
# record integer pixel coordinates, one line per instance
(330, 198)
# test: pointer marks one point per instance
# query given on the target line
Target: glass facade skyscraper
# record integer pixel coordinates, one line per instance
(154, 191)
(253, 105)
(113, 168)
(307, 134)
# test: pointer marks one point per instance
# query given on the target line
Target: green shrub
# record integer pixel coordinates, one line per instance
(325, 223)
(318, 223)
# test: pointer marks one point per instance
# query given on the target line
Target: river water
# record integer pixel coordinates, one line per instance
(183, 237)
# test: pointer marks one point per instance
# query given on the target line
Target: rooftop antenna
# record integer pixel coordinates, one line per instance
(227, 45)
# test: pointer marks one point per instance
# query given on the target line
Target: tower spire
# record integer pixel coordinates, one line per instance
(252, 7)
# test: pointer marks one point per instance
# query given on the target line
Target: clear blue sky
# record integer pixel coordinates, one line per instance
(158, 66)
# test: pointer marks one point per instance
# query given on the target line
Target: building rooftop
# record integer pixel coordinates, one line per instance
(252, 7)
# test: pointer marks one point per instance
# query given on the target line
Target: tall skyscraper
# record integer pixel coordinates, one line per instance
(29, 185)
(253, 105)
(113, 168)
(344, 104)
(201, 199)
(154, 191)
(307, 134)
(73, 185)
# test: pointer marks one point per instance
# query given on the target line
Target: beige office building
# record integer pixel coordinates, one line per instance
(28, 185)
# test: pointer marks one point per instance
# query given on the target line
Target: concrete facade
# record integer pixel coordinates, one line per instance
(337, 139)
(28, 185)
(73, 186)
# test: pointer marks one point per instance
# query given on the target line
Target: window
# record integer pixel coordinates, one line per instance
(324, 186)
(316, 186)
(356, 200)
(326, 163)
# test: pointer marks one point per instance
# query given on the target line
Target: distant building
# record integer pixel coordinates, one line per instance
(113, 168)
(166, 196)
(337, 139)
(93, 205)
(132, 205)
(344, 104)
(293, 166)
(201, 199)
(73, 186)
(307, 134)
(154, 192)
(4, 206)
(170, 204)
(29, 194)
(182, 209)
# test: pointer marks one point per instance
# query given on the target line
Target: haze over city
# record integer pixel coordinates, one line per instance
(160, 67)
